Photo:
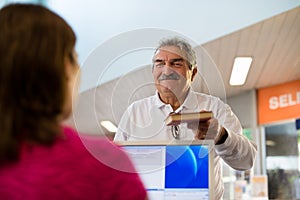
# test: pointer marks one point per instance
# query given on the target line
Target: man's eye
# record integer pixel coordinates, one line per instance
(178, 64)
(159, 64)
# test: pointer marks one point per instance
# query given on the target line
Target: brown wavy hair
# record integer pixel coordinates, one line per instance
(34, 43)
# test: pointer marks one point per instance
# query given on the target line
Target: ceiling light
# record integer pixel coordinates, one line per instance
(240, 70)
(109, 126)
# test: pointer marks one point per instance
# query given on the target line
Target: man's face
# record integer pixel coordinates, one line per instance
(171, 72)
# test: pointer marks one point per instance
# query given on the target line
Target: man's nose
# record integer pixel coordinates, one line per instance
(168, 68)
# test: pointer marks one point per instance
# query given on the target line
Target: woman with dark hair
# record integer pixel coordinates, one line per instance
(40, 158)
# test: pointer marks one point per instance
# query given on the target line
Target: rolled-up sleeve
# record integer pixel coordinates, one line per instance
(237, 151)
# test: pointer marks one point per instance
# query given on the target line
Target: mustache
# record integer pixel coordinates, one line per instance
(172, 76)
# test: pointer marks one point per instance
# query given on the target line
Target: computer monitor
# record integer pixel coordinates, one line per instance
(174, 170)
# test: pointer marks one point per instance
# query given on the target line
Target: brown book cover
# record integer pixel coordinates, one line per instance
(177, 118)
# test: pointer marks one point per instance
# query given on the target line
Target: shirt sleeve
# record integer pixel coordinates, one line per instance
(237, 150)
(122, 133)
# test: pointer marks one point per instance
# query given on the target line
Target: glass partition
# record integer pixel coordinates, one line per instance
(282, 161)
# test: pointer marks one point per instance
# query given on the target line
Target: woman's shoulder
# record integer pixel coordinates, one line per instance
(101, 149)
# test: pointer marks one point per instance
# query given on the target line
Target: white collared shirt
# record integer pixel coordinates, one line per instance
(144, 120)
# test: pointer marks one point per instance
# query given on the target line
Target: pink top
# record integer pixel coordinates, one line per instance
(73, 168)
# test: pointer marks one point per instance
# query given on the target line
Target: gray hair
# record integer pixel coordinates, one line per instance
(183, 45)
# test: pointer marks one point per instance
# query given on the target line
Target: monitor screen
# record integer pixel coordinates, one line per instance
(174, 171)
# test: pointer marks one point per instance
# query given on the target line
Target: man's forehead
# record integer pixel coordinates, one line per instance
(169, 52)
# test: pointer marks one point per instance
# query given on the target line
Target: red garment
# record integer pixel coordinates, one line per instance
(67, 170)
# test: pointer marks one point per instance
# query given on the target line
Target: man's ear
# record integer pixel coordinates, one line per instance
(194, 72)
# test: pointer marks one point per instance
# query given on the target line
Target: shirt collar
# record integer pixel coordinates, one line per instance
(190, 103)
(158, 102)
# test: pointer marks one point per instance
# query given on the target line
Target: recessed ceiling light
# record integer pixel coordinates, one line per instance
(240, 70)
(108, 125)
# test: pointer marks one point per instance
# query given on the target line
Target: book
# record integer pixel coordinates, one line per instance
(177, 118)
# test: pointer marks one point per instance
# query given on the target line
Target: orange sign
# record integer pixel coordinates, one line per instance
(280, 102)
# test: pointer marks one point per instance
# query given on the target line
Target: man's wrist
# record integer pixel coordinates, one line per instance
(222, 136)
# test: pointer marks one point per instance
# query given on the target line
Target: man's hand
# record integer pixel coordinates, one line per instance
(208, 130)
(205, 130)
